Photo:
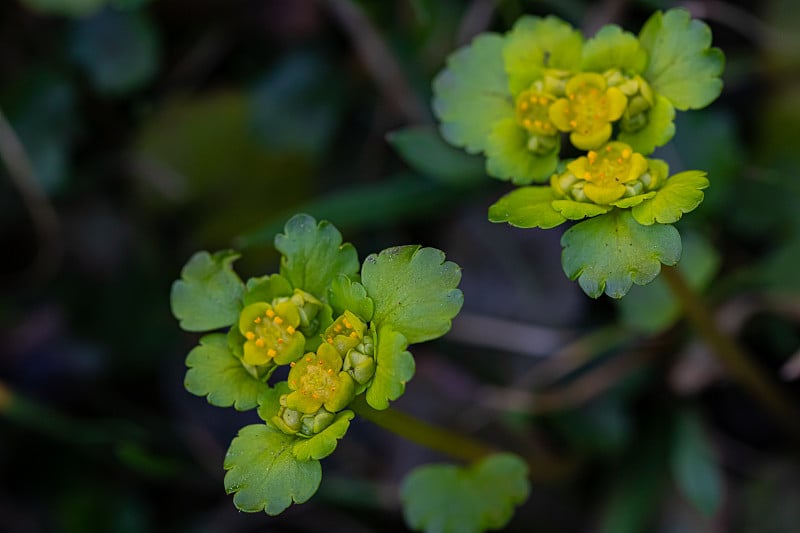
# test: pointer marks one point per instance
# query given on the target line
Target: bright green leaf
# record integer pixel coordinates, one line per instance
(535, 44)
(313, 255)
(263, 473)
(508, 157)
(573, 210)
(216, 373)
(426, 152)
(414, 291)
(681, 194)
(658, 131)
(119, 50)
(611, 48)
(682, 66)
(394, 368)
(471, 94)
(209, 294)
(694, 468)
(527, 207)
(611, 252)
(346, 295)
(324, 443)
(450, 499)
(653, 308)
(266, 288)
(631, 201)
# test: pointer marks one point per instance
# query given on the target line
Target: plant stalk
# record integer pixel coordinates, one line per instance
(456, 445)
(749, 375)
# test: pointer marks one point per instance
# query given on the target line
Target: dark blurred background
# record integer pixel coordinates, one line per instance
(136, 132)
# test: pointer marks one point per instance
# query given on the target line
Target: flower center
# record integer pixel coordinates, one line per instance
(611, 165)
(319, 380)
(269, 330)
(532, 112)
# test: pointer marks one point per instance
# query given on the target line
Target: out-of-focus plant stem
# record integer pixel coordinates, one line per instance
(456, 445)
(735, 360)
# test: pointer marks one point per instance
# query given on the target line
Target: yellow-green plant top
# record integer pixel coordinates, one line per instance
(317, 380)
(345, 333)
(588, 109)
(603, 176)
(271, 333)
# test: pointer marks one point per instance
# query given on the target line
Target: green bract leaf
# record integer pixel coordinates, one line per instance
(270, 402)
(209, 294)
(451, 499)
(680, 194)
(693, 466)
(535, 44)
(264, 474)
(324, 443)
(527, 207)
(424, 150)
(218, 374)
(508, 156)
(266, 288)
(471, 94)
(313, 255)
(658, 131)
(682, 66)
(611, 48)
(414, 290)
(573, 210)
(394, 367)
(346, 295)
(611, 252)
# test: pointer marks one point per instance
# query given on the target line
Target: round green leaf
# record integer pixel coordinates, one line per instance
(527, 207)
(610, 252)
(216, 373)
(313, 255)
(264, 474)
(658, 131)
(471, 93)
(682, 65)
(394, 368)
(681, 194)
(209, 294)
(323, 443)
(414, 291)
(535, 44)
(445, 498)
(611, 48)
(508, 156)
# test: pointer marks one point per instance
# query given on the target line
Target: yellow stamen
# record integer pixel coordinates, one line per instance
(354, 335)
(290, 330)
(270, 313)
(292, 364)
(260, 343)
(250, 335)
(278, 320)
(257, 320)
(626, 153)
(573, 123)
(271, 352)
(347, 324)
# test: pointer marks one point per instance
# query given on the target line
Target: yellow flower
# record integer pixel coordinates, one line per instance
(317, 380)
(588, 110)
(271, 333)
(603, 176)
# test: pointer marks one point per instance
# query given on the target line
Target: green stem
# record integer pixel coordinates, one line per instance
(454, 444)
(739, 365)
